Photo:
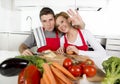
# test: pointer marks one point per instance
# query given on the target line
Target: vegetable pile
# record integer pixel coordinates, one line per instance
(112, 70)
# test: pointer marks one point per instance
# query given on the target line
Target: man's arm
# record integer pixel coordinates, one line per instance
(22, 48)
(25, 50)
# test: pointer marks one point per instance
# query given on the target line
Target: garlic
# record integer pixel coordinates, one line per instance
(84, 80)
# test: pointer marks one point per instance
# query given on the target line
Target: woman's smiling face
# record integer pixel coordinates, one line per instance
(62, 24)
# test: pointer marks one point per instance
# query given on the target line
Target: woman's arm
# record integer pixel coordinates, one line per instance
(98, 49)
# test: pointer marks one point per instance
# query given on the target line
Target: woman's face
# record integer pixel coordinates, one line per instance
(48, 22)
(62, 24)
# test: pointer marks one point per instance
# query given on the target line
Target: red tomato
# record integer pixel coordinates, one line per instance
(67, 63)
(75, 70)
(30, 75)
(83, 64)
(89, 70)
(89, 62)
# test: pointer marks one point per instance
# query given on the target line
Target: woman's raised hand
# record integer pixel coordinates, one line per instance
(76, 19)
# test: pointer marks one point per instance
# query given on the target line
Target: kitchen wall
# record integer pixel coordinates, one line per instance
(98, 22)
(15, 19)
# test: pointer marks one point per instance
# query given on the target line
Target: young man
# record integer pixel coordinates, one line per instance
(47, 18)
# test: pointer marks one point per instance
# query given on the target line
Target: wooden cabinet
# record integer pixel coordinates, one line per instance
(113, 46)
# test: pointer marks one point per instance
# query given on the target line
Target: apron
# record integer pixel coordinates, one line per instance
(83, 47)
(51, 44)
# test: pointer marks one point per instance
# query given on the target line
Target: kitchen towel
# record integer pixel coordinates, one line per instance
(39, 37)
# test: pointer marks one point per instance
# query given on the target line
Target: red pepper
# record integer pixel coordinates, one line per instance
(29, 75)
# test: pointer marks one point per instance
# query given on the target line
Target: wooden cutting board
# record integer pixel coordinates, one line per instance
(60, 58)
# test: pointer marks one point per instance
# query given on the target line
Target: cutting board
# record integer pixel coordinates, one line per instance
(60, 58)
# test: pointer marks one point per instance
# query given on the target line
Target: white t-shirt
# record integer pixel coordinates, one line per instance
(98, 53)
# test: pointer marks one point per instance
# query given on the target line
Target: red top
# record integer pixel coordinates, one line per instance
(51, 43)
(83, 47)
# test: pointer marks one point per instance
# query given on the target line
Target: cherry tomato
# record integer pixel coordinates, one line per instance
(67, 63)
(75, 70)
(82, 64)
(89, 62)
(30, 75)
(89, 70)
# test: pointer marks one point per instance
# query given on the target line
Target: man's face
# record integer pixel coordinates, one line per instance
(48, 22)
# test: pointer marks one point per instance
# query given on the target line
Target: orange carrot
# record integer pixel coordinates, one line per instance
(59, 80)
(45, 79)
(60, 75)
(48, 72)
(42, 81)
(63, 70)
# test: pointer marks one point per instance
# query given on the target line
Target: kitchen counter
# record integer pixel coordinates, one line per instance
(13, 80)
(16, 32)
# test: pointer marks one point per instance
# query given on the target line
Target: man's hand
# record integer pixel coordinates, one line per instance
(27, 52)
(60, 50)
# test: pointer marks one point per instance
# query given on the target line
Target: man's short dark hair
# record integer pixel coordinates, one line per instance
(45, 11)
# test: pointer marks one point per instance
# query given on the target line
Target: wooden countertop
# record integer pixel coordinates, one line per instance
(60, 58)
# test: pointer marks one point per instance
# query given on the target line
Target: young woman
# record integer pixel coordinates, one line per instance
(47, 18)
(76, 39)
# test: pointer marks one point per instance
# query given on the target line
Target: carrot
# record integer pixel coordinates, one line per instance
(63, 70)
(45, 79)
(48, 72)
(60, 75)
(42, 81)
(59, 80)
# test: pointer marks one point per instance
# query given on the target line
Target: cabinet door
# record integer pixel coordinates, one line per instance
(27, 3)
(113, 53)
(56, 5)
(4, 41)
(15, 40)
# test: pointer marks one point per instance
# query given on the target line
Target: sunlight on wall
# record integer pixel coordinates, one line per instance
(112, 18)
(104, 22)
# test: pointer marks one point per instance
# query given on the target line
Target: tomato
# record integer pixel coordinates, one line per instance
(89, 70)
(89, 62)
(75, 70)
(30, 75)
(83, 64)
(67, 63)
